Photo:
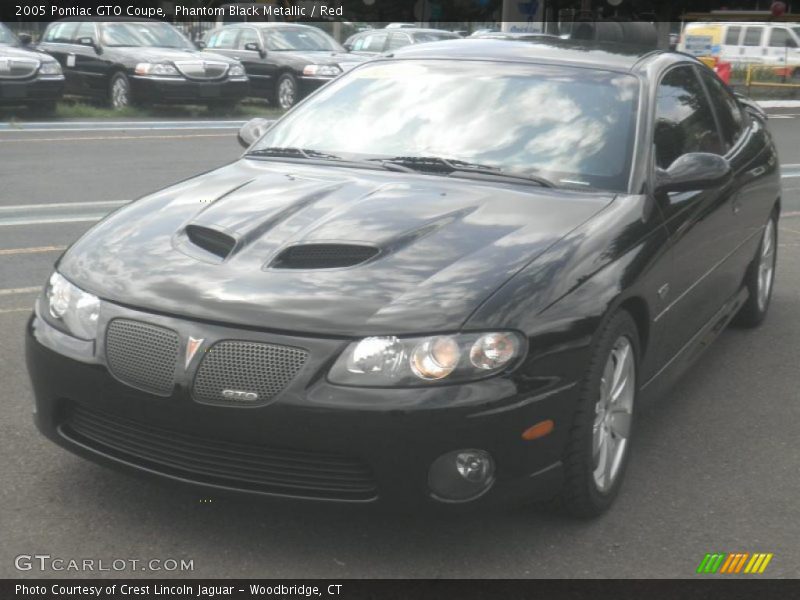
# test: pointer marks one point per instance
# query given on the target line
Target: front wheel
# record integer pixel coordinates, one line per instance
(286, 92)
(760, 277)
(599, 441)
(119, 92)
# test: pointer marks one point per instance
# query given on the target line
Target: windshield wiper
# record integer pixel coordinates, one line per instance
(460, 168)
(310, 154)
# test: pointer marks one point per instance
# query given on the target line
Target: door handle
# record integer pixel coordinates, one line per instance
(237, 58)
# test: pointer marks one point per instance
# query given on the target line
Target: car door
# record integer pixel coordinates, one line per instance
(57, 41)
(753, 160)
(752, 50)
(730, 50)
(699, 222)
(252, 54)
(782, 47)
(90, 70)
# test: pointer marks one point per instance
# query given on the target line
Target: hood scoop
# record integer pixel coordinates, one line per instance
(323, 256)
(216, 242)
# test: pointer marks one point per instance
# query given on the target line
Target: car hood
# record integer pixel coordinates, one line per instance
(445, 244)
(142, 54)
(16, 52)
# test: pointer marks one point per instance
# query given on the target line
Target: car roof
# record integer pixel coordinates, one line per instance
(601, 55)
(406, 30)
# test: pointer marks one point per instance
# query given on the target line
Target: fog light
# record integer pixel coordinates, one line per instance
(461, 475)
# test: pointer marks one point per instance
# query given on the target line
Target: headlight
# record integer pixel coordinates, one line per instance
(322, 70)
(72, 308)
(50, 68)
(157, 70)
(397, 362)
(236, 71)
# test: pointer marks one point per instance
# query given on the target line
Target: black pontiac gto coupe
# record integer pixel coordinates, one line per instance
(449, 276)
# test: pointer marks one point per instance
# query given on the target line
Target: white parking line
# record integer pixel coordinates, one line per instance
(4, 311)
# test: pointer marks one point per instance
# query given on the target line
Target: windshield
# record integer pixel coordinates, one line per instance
(573, 126)
(299, 38)
(6, 37)
(157, 35)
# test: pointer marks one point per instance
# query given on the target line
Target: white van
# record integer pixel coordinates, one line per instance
(773, 44)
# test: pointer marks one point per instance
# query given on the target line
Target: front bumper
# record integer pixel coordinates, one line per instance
(38, 90)
(178, 90)
(314, 441)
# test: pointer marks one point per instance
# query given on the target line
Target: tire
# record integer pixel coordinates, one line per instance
(119, 92)
(760, 277)
(598, 444)
(286, 92)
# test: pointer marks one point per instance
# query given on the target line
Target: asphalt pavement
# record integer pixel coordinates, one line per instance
(715, 467)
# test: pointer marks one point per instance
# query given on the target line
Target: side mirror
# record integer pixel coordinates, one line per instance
(25, 39)
(694, 171)
(252, 130)
(255, 47)
(87, 41)
(200, 44)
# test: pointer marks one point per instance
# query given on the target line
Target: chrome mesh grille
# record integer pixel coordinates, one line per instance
(17, 68)
(250, 367)
(202, 69)
(142, 355)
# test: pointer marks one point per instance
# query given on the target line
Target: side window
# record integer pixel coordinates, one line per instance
(224, 39)
(61, 33)
(732, 35)
(248, 36)
(374, 43)
(731, 119)
(85, 30)
(752, 36)
(398, 40)
(684, 121)
(779, 38)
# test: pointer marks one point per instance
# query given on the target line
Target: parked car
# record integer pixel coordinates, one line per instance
(126, 62)
(414, 288)
(27, 77)
(377, 41)
(285, 62)
(770, 44)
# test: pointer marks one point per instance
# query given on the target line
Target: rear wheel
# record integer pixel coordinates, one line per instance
(599, 441)
(760, 277)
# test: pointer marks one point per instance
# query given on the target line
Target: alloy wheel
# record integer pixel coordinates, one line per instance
(766, 265)
(286, 93)
(613, 414)
(120, 94)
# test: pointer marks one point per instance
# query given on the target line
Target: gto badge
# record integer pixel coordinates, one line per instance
(192, 346)
(240, 395)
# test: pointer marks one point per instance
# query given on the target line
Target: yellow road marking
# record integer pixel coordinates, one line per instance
(25, 290)
(35, 250)
(4, 311)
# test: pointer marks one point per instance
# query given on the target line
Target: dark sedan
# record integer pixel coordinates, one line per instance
(27, 77)
(450, 276)
(376, 41)
(285, 62)
(125, 62)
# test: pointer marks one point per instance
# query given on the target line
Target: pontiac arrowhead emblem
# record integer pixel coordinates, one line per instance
(192, 346)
